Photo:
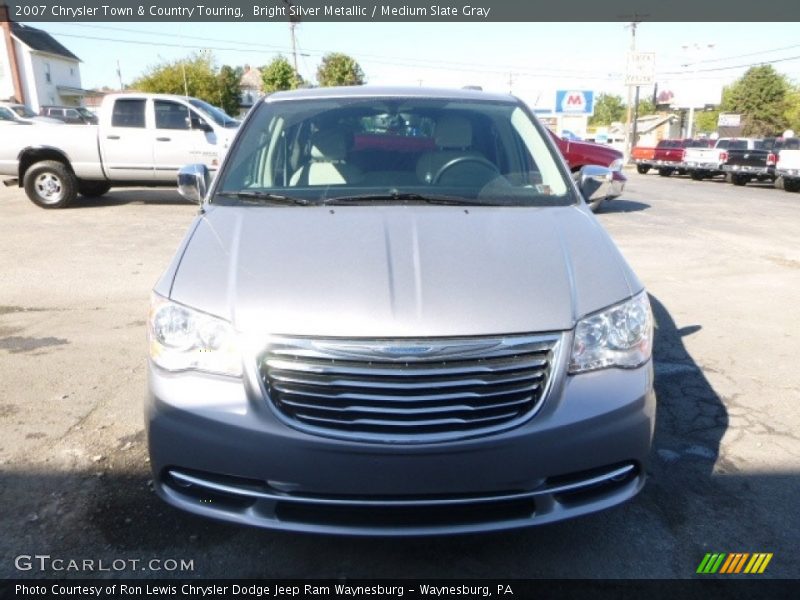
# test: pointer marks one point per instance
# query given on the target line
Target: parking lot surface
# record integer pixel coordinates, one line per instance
(722, 265)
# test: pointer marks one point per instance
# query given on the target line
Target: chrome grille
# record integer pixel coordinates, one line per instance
(404, 390)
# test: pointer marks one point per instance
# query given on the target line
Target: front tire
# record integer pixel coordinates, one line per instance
(642, 169)
(665, 172)
(791, 185)
(50, 184)
(696, 175)
(93, 189)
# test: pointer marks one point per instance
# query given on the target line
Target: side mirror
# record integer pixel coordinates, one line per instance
(200, 123)
(594, 182)
(193, 182)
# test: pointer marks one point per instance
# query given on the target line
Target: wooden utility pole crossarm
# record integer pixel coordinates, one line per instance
(5, 24)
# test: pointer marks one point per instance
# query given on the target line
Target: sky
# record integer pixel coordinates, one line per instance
(531, 60)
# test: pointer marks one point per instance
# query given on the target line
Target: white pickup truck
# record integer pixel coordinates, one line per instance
(701, 163)
(787, 167)
(141, 139)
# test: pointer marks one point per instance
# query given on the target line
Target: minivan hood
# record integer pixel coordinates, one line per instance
(400, 271)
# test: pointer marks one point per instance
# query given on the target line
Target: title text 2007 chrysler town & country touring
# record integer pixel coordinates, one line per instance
(396, 315)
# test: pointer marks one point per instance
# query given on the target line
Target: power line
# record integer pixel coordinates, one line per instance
(756, 64)
(377, 57)
(711, 60)
(421, 65)
(188, 37)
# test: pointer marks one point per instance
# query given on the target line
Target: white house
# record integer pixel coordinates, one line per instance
(37, 70)
(251, 86)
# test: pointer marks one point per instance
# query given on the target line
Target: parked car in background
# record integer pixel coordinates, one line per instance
(141, 139)
(373, 332)
(787, 166)
(702, 163)
(579, 154)
(644, 158)
(20, 114)
(746, 164)
(667, 156)
(72, 115)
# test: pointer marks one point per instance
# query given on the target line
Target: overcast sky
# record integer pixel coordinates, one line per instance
(530, 59)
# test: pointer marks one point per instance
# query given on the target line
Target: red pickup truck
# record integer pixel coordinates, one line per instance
(666, 156)
(579, 154)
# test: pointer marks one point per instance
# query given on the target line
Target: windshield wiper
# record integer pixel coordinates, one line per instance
(266, 197)
(405, 197)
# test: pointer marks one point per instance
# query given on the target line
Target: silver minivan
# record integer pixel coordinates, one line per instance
(395, 315)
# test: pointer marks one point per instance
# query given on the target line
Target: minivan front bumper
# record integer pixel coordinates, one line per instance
(218, 450)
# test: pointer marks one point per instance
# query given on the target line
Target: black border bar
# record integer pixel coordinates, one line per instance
(700, 588)
(388, 11)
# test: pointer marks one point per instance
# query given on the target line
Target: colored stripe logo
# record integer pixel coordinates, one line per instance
(734, 562)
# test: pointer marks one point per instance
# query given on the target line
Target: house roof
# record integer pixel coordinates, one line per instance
(251, 79)
(41, 41)
(650, 122)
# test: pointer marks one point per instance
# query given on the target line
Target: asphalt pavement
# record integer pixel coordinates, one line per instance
(722, 265)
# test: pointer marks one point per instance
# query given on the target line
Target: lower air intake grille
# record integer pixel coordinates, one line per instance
(403, 390)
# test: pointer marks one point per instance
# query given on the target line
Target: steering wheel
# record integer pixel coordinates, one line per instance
(460, 160)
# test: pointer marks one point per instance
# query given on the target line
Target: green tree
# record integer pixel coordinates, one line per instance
(792, 113)
(228, 81)
(608, 108)
(646, 107)
(706, 121)
(194, 76)
(280, 75)
(760, 96)
(339, 69)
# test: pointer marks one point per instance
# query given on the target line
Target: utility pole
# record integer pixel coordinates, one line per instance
(293, 21)
(292, 26)
(510, 83)
(628, 140)
(119, 75)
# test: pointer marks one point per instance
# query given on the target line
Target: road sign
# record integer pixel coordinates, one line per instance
(575, 102)
(641, 68)
(729, 120)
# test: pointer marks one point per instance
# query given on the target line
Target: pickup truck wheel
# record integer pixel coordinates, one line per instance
(665, 172)
(642, 169)
(696, 175)
(93, 189)
(50, 184)
(791, 185)
(739, 180)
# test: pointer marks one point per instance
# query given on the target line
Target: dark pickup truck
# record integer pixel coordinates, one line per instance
(743, 165)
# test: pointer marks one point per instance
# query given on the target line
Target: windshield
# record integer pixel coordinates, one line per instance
(219, 116)
(364, 150)
(23, 111)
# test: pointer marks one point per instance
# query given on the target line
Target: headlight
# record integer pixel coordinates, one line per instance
(184, 339)
(619, 336)
(616, 165)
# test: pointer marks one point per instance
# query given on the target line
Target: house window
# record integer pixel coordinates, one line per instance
(72, 71)
(47, 76)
